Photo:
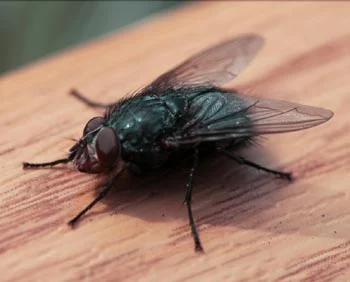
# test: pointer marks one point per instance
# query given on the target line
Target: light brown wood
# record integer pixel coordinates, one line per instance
(253, 226)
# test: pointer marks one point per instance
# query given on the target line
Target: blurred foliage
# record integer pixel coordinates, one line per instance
(30, 30)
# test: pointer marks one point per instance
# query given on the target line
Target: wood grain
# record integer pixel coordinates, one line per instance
(253, 226)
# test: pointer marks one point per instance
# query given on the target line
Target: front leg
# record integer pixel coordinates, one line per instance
(103, 192)
(27, 165)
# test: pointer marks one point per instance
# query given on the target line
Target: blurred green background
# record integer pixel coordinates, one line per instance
(33, 29)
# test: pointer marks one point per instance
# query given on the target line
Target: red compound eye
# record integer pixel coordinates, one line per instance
(107, 148)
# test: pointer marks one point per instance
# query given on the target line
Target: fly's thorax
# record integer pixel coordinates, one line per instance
(143, 121)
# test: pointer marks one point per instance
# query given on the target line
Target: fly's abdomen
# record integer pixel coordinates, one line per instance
(213, 116)
(215, 110)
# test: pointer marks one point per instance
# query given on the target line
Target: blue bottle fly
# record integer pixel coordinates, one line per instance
(185, 111)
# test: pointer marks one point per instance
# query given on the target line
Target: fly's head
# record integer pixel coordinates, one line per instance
(99, 148)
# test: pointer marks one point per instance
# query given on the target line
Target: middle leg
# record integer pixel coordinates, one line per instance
(188, 199)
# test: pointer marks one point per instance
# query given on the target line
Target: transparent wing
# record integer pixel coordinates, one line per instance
(214, 66)
(230, 115)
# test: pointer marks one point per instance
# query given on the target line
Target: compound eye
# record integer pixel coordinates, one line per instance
(107, 148)
(93, 124)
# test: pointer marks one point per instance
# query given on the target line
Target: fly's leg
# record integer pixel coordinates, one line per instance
(188, 199)
(87, 101)
(242, 160)
(53, 163)
(103, 192)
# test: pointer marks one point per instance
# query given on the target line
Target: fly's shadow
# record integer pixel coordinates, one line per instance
(224, 192)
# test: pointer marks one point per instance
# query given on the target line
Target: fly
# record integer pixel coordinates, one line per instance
(184, 112)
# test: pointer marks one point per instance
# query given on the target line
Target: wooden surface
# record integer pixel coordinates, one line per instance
(253, 226)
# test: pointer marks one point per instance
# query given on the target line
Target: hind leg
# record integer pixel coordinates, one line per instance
(242, 160)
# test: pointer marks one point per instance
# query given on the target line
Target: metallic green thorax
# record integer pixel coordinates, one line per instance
(142, 122)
